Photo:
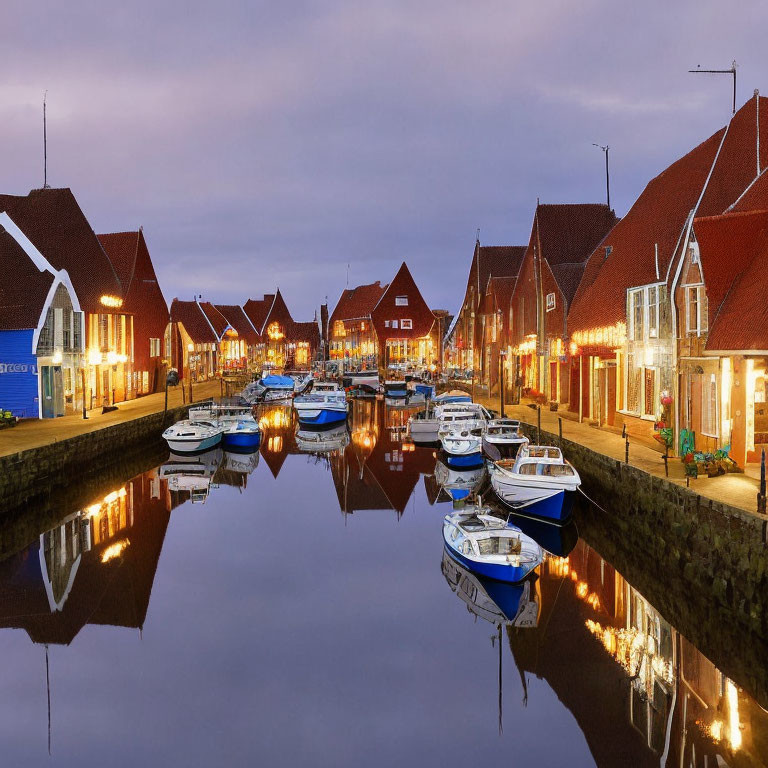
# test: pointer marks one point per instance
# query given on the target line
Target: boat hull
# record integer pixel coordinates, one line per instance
(181, 445)
(320, 418)
(553, 505)
(464, 461)
(241, 441)
(511, 574)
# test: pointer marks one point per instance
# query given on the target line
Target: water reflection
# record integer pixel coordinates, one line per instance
(640, 693)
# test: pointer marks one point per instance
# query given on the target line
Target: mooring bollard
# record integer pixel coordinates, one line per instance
(626, 451)
(624, 430)
(761, 496)
(560, 430)
(666, 464)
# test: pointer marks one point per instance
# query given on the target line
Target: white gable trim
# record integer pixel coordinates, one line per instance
(35, 256)
(210, 324)
(59, 278)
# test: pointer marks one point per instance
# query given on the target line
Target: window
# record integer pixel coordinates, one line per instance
(550, 302)
(394, 323)
(653, 312)
(103, 333)
(406, 325)
(401, 301)
(636, 314)
(709, 405)
(649, 391)
(386, 323)
(154, 347)
(696, 309)
(77, 330)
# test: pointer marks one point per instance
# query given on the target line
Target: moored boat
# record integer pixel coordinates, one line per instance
(325, 406)
(505, 436)
(423, 426)
(322, 441)
(462, 448)
(240, 430)
(459, 484)
(188, 436)
(395, 390)
(269, 389)
(538, 482)
(490, 547)
(361, 383)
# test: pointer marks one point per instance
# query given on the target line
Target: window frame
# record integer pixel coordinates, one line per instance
(403, 325)
(401, 301)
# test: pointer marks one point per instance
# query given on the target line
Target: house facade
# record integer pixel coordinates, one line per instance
(192, 341)
(351, 336)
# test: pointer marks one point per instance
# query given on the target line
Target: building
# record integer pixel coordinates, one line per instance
(464, 338)
(562, 238)
(351, 336)
(240, 342)
(56, 226)
(143, 300)
(403, 323)
(496, 318)
(41, 332)
(624, 323)
(192, 340)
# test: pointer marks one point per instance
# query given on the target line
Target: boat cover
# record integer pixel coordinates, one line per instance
(280, 382)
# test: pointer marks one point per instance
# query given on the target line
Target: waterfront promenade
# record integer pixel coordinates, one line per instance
(736, 489)
(34, 433)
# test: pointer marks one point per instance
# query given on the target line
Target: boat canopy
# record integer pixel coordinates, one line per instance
(274, 380)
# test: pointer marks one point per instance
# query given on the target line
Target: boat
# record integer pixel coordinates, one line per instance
(462, 447)
(241, 462)
(504, 435)
(325, 406)
(558, 540)
(361, 383)
(538, 482)
(240, 430)
(269, 389)
(454, 396)
(459, 484)
(490, 547)
(423, 426)
(192, 474)
(395, 390)
(188, 436)
(509, 605)
(322, 441)
(422, 388)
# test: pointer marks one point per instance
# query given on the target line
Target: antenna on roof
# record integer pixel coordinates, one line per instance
(45, 145)
(347, 275)
(607, 175)
(731, 71)
(477, 236)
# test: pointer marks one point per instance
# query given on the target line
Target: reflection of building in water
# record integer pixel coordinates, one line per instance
(96, 567)
(378, 469)
(277, 440)
(641, 693)
(189, 476)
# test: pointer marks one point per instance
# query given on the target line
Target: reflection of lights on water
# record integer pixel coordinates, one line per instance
(275, 419)
(114, 550)
(582, 590)
(275, 444)
(95, 509)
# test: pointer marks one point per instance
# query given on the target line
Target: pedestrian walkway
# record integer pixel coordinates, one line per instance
(736, 489)
(33, 433)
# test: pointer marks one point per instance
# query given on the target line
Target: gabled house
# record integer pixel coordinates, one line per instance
(240, 341)
(562, 239)
(143, 299)
(193, 340)
(465, 336)
(56, 226)
(41, 332)
(352, 338)
(624, 322)
(496, 319)
(403, 323)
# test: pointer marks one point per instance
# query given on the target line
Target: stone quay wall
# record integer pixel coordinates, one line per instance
(701, 563)
(29, 477)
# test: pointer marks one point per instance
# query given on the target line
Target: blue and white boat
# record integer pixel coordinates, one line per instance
(428, 390)
(457, 483)
(188, 436)
(269, 389)
(324, 407)
(490, 547)
(454, 396)
(362, 383)
(395, 390)
(462, 448)
(239, 429)
(539, 482)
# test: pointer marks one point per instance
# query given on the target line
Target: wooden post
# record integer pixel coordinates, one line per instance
(165, 407)
(761, 495)
(190, 391)
(538, 425)
(82, 376)
(626, 450)
(560, 431)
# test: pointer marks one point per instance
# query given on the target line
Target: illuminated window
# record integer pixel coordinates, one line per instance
(406, 325)
(550, 302)
(154, 347)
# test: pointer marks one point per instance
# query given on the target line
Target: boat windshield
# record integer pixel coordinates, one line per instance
(500, 545)
(544, 452)
(547, 470)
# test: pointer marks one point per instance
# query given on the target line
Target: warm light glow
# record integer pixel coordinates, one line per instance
(94, 357)
(111, 358)
(274, 419)
(582, 589)
(114, 550)
(111, 301)
(612, 337)
(190, 347)
(751, 378)
(56, 359)
(275, 444)
(734, 729)
(274, 332)
(725, 402)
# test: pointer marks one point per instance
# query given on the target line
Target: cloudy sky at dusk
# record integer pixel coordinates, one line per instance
(266, 144)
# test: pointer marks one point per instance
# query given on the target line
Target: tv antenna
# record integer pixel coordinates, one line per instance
(731, 71)
(607, 175)
(45, 145)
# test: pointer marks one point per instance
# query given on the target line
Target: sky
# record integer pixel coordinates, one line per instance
(302, 145)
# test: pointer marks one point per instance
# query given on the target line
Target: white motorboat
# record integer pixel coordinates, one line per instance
(539, 482)
(240, 430)
(505, 436)
(423, 426)
(325, 441)
(192, 474)
(362, 383)
(490, 547)
(269, 389)
(462, 446)
(188, 436)
(324, 407)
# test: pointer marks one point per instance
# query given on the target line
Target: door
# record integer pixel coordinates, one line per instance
(610, 406)
(46, 391)
(58, 391)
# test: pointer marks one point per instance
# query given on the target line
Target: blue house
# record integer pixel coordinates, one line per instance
(41, 330)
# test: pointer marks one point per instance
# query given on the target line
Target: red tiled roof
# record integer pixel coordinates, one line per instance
(23, 289)
(279, 312)
(216, 319)
(194, 320)
(417, 310)
(733, 251)
(237, 318)
(357, 302)
(501, 288)
(257, 310)
(499, 261)
(727, 246)
(304, 331)
(121, 248)
(658, 216)
(756, 197)
(55, 224)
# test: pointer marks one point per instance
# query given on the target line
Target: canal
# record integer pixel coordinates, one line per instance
(295, 608)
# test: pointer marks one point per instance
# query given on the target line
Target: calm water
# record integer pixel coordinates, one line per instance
(293, 608)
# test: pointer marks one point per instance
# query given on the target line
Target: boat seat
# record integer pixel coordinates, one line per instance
(505, 463)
